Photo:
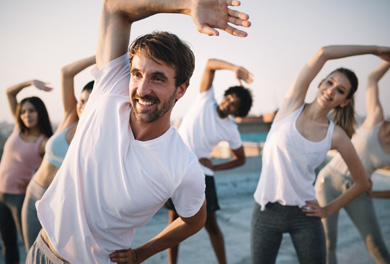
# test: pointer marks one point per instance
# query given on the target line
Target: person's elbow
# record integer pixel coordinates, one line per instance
(66, 72)
(242, 161)
(239, 161)
(111, 6)
(323, 52)
(364, 185)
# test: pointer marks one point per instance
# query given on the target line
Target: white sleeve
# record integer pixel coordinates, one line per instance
(234, 139)
(190, 194)
(113, 78)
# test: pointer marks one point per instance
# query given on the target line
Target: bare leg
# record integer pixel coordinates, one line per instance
(173, 252)
(216, 237)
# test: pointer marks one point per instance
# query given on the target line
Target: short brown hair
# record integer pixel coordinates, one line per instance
(168, 48)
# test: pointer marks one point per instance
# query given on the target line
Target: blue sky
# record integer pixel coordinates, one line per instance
(39, 37)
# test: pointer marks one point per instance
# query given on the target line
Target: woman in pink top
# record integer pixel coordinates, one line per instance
(23, 152)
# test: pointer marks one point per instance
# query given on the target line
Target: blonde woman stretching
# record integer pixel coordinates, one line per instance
(297, 143)
(372, 143)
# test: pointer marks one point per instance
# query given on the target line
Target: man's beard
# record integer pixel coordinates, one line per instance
(158, 112)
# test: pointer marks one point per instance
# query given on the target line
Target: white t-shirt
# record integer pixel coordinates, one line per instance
(110, 183)
(202, 129)
(288, 164)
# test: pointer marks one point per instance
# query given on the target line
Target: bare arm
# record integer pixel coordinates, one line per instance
(373, 104)
(238, 159)
(343, 144)
(41, 149)
(14, 90)
(295, 96)
(68, 97)
(380, 194)
(214, 65)
(118, 15)
(173, 234)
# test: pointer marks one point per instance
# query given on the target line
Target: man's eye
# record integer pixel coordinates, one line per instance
(157, 79)
(136, 74)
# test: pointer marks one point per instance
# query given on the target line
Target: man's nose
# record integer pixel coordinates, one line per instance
(143, 88)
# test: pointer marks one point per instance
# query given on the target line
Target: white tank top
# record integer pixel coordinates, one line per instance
(368, 148)
(288, 164)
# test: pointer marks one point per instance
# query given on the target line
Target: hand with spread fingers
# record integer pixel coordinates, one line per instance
(41, 85)
(209, 15)
(243, 74)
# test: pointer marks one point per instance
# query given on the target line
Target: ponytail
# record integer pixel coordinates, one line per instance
(345, 117)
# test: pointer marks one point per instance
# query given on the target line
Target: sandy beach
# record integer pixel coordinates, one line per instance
(235, 190)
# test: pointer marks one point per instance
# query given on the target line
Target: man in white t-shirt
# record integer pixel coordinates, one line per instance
(125, 159)
(203, 127)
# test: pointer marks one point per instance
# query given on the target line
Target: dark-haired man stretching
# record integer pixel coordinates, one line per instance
(125, 159)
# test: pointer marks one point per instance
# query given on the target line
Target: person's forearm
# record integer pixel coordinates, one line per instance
(341, 51)
(71, 70)
(373, 104)
(118, 15)
(172, 235)
(12, 92)
(231, 164)
(378, 73)
(216, 64)
(326, 53)
(137, 10)
(15, 89)
(209, 72)
(351, 194)
(380, 194)
(116, 20)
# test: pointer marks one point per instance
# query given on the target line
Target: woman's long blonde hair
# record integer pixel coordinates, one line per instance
(345, 116)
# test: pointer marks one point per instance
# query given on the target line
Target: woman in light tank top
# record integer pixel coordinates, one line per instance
(297, 143)
(372, 143)
(56, 148)
(23, 152)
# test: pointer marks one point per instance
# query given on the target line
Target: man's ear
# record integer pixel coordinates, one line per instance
(181, 90)
(345, 103)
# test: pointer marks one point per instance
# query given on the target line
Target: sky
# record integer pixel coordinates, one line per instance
(39, 37)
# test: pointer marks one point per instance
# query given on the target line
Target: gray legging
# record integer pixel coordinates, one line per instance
(268, 226)
(329, 186)
(30, 223)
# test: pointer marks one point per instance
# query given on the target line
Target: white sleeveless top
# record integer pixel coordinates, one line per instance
(369, 150)
(288, 164)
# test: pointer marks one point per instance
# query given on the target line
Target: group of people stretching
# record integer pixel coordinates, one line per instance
(78, 196)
